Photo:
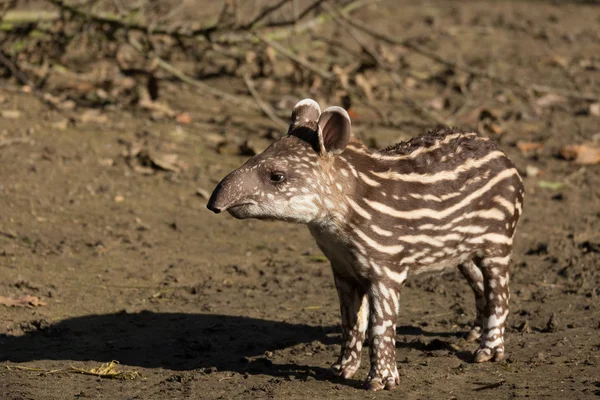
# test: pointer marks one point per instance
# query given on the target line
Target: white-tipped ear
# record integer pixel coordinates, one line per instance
(306, 113)
(334, 130)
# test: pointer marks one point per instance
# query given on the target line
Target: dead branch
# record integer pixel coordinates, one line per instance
(194, 82)
(264, 13)
(9, 142)
(297, 59)
(265, 108)
(21, 77)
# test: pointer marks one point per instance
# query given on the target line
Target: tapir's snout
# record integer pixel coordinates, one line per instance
(218, 200)
(234, 192)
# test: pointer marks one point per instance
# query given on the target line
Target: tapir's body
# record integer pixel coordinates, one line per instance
(444, 199)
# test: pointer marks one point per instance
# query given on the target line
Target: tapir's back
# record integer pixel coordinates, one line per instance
(435, 195)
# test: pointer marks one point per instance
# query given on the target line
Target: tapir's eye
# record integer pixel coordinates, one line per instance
(277, 177)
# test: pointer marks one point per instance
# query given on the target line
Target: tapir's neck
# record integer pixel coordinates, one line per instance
(341, 183)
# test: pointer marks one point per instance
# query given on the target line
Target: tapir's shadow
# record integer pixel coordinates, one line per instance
(176, 341)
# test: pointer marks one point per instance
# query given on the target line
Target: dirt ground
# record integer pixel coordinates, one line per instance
(132, 267)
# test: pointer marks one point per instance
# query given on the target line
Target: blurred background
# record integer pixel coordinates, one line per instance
(118, 118)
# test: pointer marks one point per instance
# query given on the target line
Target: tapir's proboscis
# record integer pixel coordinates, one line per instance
(445, 199)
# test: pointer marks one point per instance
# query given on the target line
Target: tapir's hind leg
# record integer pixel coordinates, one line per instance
(475, 279)
(495, 286)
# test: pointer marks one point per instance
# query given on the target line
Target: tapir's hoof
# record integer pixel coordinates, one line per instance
(485, 354)
(345, 372)
(376, 384)
(473, 335)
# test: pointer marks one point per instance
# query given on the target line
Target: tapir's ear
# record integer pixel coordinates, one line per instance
(305, 114)
(334, 130)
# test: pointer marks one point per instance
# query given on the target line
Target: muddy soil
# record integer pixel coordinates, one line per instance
(133, 268)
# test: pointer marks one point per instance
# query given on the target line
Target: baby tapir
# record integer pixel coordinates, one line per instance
(444, 199)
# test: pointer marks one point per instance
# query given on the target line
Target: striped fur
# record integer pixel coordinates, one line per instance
(447, 198)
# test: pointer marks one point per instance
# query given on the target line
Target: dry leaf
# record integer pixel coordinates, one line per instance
(581, 154)
(203, 193)
(532, 171)
(22, 301)
(559, 60)
(549, 100)
(167, 162)
(106, 162)
(363, 83)
(119, 199)
(161, 108)
(183, 118)
(437, 103)
(528, 147)
(93, 116)
(10, 114)
(108, 370)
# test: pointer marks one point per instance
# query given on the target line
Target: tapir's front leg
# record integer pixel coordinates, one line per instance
(384, 297)
(354, 306)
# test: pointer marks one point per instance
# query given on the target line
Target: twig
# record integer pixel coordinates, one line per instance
(574, 94)
(265, 108)
(13, 69)
(21, 17)
(298, 60)
(194, 82)
(265, 12)
(470, 70)
(9, 142)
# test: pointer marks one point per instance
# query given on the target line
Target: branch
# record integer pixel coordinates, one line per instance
(265, 108)
(265, 11)
(297, 59)
(194, 82)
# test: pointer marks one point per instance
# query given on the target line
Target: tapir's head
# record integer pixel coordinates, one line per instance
(291, 179)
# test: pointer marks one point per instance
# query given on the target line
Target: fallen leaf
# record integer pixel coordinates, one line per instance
(10, 114)
(532, 171)
(160, 108)
(559, 60)
(119, 199)
(549, 100)
(551, 185)
(529, 147)
(108, 370)
(106, 162)
(480, 114)
(93, 116)
(494, 127)
(363, 83)
(410, 83)
(167, 162)
(183, 118)
(61, 125)
(437, 103)
(202, 193)
(22, 301)
(581, 153)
